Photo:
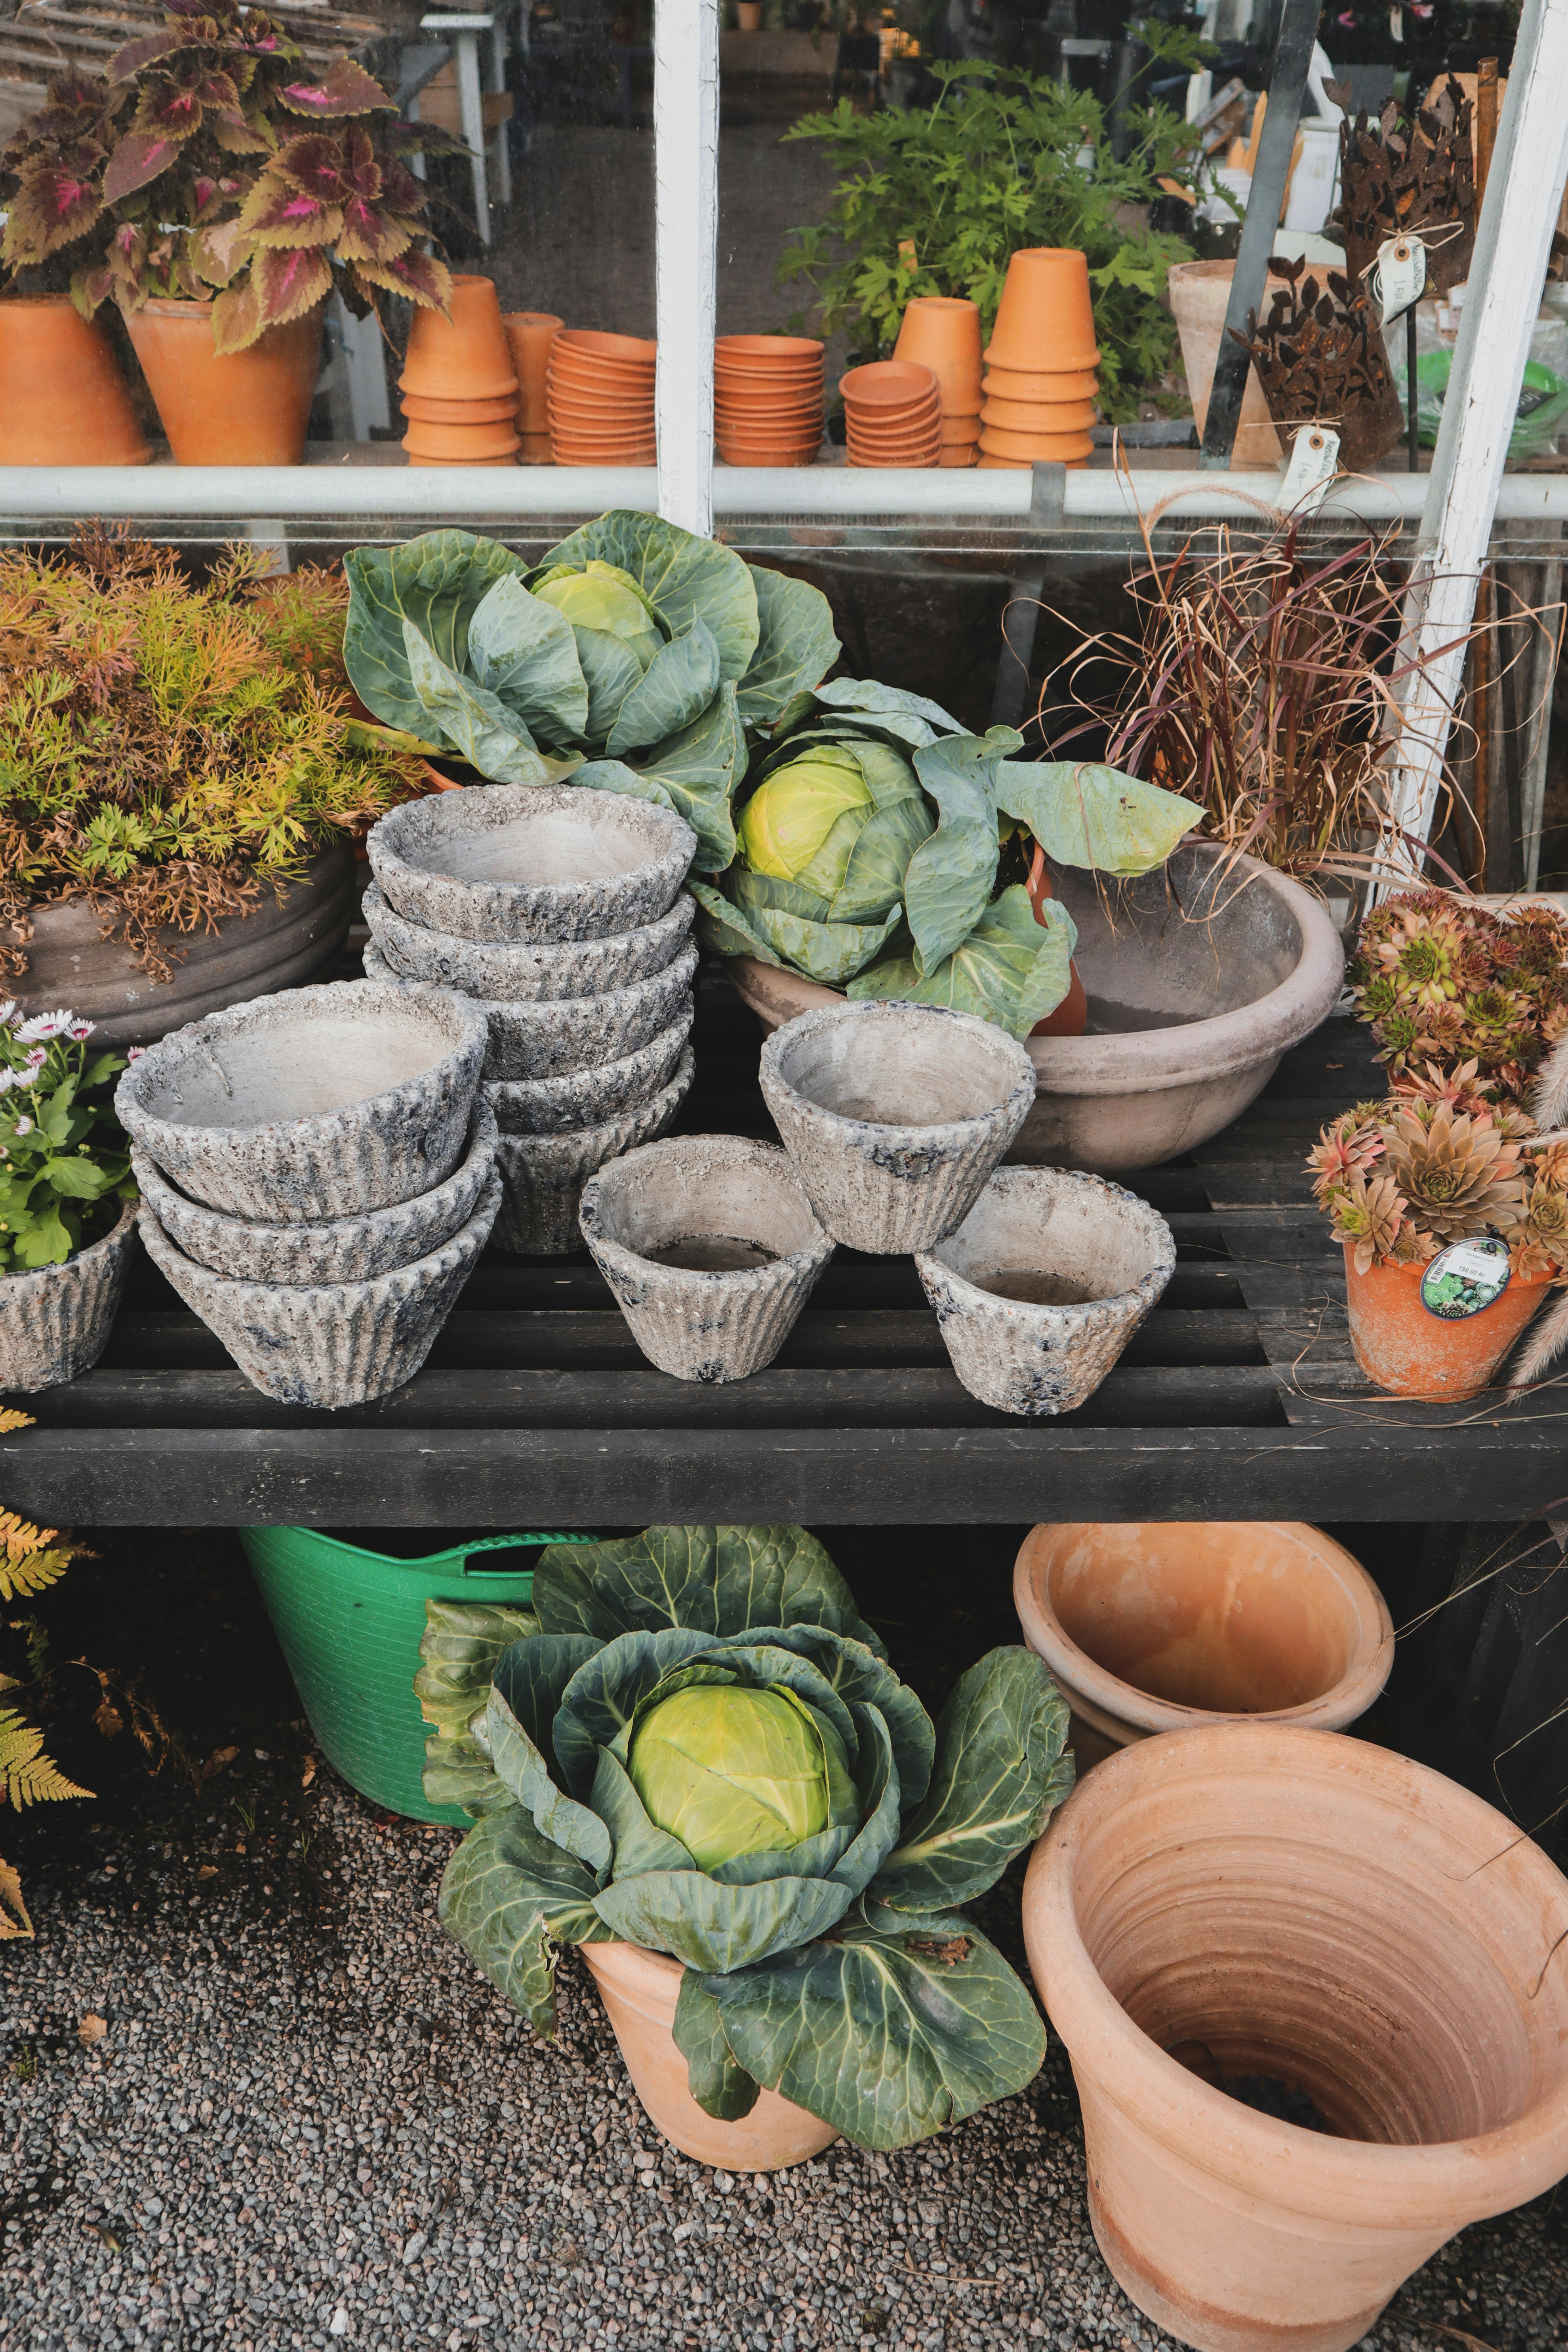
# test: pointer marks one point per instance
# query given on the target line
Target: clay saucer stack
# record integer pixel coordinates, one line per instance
(942, 332)
(892, 414)
(767, 399)
(459, 392)
(1040, 380)
(600, 399)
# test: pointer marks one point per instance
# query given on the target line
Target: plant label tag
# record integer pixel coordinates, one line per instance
(1466, 1279)
(1401, 272)
(1314, 462)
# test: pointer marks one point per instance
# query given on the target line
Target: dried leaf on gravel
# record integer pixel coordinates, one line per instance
(14, 1919)
(92, 2027)
(217, 1760)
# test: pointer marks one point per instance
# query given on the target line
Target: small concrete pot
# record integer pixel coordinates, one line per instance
(1043, 1285)
(502, 974)
(721, 1200)
(317, 1104)
(346, 1249)
(578, 1037)
(543, 1175)
(587, 1097)
(894, 1116)
(530, 862)
(328, 1344)
(55, 1321)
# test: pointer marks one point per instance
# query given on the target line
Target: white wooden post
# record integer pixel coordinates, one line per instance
(1512, 240)
(686, 233)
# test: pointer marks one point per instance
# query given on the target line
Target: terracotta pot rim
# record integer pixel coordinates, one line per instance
(766, 346)
(1364, 2183)
(615, 416)
(940, 302)
(599, 343)
(532, 318)
(419, 408)
(1023, 358)
(1031, 447)
(890, 384)
(897, 465)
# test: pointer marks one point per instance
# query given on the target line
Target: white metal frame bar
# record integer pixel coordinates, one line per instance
(686, 179)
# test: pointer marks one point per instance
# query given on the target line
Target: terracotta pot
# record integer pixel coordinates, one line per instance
(1045, 320)
(1034, 448)
(531, 334)
(462, 461)
(1019, 383)
(535, 450)
(242, 408)
(958, 453)
(1071, 1018)
(1186, 1623)
(919, 442)
(1200, 292)
(796, 454)
(1410, 1353)
(778, 403)
(1040, 415)
(757, 373)
(463, 444)
(586, 345)
(639, 1991)
(896, 465)
(1258, 1900)
(749, 16)
(421, 410)
(606, 425)
(63, 399)
(582, 453)
(465, 357)
(767, 350)
(890, 384)
(942, 332)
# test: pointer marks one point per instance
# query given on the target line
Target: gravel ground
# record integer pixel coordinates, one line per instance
(307, 2119)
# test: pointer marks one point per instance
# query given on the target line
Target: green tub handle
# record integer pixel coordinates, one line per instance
(506, 1543)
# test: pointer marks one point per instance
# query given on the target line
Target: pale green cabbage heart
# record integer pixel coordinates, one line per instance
(731, 1772)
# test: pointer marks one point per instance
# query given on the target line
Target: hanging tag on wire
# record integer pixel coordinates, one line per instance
(1314, 462)
(1398, 274)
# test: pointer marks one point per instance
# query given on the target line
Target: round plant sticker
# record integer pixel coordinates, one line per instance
(1466, 1279)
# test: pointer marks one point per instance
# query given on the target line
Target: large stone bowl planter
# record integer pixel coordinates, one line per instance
(55, 1322)
(1180, 1624)
(1260, 1901)
(1196, 990)
(285, 942)
(504, 971)
(639, 1991)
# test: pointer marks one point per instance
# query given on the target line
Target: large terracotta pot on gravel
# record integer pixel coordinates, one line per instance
(63, 399)
(639, 1991)
(1200, 976)
(229, 408)
(277, 945)
(1311, 1920)
(1176, 1624)
(1409, 1352)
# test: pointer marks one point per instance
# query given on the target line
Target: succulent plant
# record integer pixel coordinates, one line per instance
(1457, 1173)
(1433, 1164)
(1443, 980)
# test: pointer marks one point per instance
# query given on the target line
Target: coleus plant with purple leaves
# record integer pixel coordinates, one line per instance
(208, 164)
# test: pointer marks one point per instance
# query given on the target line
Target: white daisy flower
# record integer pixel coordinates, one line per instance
(80, 1029)
(43, 1024)
(24, 1127)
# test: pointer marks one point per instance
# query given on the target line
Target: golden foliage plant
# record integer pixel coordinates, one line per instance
(169, 747)
(31, 1558)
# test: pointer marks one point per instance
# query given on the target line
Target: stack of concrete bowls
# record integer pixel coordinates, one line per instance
(318, 1175)
(558, 912)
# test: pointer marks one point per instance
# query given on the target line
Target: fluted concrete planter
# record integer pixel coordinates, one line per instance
(55, 1322)
(1043, 1285)
(504, 972)
(894, 1116)
(748, 1250)
(555, 1039)
(329, 1344)
(543, 1175)
(343, 1249)
(585, 1097)
(317, 1104)
(530, 862)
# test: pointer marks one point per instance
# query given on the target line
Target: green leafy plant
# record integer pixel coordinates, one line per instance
(700, 1748)
(937, 199)
(872, 840)
(65, 1166)
(634, 659)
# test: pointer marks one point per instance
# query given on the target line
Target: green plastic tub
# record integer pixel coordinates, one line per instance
(350, 1621)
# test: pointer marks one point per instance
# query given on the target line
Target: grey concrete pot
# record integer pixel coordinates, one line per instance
(894, 1116)
(544, 1174)
(586, 1097)
(530, 862)
(346, 1249)
(55, 1322)
(553, 1039)
(504, 973)
(328, 1344)
(319, 1104)
(1089, 1259)
(719, 1197)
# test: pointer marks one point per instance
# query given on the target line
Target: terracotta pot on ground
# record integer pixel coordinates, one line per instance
(531, 334)
(639, 1992)
(1045, 320)
(237, 408)
(1186, 1623)
(1410, 1353)
(1200, 292)
(63, 399)
(1259, 1901)
(942, 332)
(465, 357)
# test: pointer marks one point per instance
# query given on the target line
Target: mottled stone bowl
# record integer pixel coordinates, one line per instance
(894, 1116)
(544, 1174)
(525, 968)
(579, 1035)
(1106, 1254)
(530, 862)
(346, 1249)
(587, 1097)
(317, 1104)
(715, 1195)
(329, 1344)
(55, 1321)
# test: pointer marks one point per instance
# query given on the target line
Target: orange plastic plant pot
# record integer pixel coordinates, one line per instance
(231, 408)
(1410, 1353)
(63, 399)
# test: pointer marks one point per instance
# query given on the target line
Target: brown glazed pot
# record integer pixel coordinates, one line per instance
(1260, 1900)
(1174, 1625)
(1408, 1352)
(234, 408)
(639, 1991)
(63, 399)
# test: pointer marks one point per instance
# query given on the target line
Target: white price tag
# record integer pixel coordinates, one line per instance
(1400, 273)
(1314, 462)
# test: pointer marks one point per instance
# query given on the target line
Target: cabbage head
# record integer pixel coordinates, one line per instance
(697, 1747)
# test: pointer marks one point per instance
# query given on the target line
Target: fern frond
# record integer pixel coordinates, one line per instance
(20, 1579)
(14, 1919)
(27, 1776)
(10, 1419)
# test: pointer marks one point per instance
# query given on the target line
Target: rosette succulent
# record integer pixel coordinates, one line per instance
(697, 1746)
(634, 659)
(1443, 980)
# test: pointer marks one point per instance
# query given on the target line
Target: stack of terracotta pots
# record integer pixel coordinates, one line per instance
(459, 391)
(942, 332)
(1040, 380)
(531, 334)
(892, 414)
(767, 399)
(600, 399)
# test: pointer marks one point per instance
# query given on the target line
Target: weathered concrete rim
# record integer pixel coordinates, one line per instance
(670, 1150)
(1029, 1315)
(877, 1138)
